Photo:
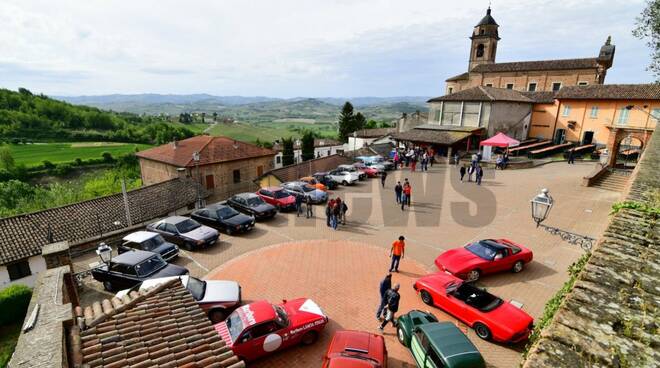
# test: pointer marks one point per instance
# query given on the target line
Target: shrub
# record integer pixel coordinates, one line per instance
(78, 161)
(48, 165)
(107, 157)
(14, 302)
(62, 169)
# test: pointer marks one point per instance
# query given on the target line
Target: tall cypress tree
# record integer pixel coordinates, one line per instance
(307, 145)
(287, 151)
(346, 121)
(359, 122)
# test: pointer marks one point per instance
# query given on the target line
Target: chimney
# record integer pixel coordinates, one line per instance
(175, 144)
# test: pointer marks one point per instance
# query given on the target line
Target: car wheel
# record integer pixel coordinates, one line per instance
(426, 297)
(217, 315)
(518, 266)
(309, 338)
(344, 183)
(473, 275)
(107, 285)
(229, 231)
(482, 331)
(278, 208)
(187, 246)
(401, 335)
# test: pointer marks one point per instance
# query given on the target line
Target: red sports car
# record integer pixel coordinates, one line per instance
(261, 328)
(356, 349)
(483, 257)
(278, 197)
(489, 316)
(370, 171)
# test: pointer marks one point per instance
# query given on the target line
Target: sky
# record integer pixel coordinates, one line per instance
(288, 48)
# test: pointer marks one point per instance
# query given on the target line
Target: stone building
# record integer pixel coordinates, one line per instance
(545, 75)
(224, 165)
(323, 147)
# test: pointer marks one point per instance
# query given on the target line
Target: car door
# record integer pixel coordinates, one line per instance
(165, 232)
(503, 260)
(418, 346)
(261, 339)
(267, 196)
(453, 303)
(203, 217)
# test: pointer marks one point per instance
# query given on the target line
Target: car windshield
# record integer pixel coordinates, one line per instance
(153, 243)
(255, 201)
(226, 212)
(196, 287)
(282, 318)
(482, 250)
(234, 325)
(477, 298)
(187, 225)
(307, 188)
(150, 266)
(280, 194)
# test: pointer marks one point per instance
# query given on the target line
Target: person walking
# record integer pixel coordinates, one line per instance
(398, 190)
(479, 173)
(383, 176)
(328, 212)
(343, 210)
(425, 160)
(462, 172)
(456, 158)
(396, 253)
(393, 297)
(413, 163)
(308, 205)
(571, 157)
(470, 171)
(407, 190)
(336, 212)
(299, 201)
(338, 202)
(385, 285)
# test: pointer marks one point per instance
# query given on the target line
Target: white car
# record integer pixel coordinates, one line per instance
(352, 169)
(344, 177)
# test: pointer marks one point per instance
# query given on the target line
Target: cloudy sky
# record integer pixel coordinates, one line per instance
(288, 48)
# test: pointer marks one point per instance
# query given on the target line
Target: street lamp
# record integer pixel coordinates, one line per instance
(195, 157)
(541, 205)
(104, 252)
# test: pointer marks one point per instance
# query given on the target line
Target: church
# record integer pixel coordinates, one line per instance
(543, 75)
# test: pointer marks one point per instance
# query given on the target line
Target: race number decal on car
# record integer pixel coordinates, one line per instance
(272, 342)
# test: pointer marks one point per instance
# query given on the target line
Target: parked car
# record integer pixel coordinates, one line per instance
(356, 349)
(252, 204)
(376, 160)
(225, 218)
(261, 328)
(217, 298)
(489, 316)
(371, 172)
(324, 178)
(304, 189)
(484, 257)
(352, 169)
(151, 242)
(185, 231)
(278, 197)
(310, 180)
(344, 177)
(436, 344)
(134, 266)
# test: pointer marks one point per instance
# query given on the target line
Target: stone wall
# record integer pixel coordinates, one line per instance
(610, 318)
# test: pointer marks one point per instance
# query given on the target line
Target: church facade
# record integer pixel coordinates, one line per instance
(543, 75)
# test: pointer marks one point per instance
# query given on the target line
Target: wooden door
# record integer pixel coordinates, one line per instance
(210, 183)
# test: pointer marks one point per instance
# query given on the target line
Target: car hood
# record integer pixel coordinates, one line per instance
(170, 270)
(165, 247)
(201, 233)
(316, 193)
(150, 283)
(302, 311)
(221, 291)
(458, 260)
(263, 207)
(240, 219)
(347, 362)
(286, 200)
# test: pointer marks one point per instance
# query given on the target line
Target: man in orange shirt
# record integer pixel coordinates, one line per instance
(397, 252)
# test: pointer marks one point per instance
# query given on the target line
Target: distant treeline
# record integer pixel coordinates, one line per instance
(24, 115)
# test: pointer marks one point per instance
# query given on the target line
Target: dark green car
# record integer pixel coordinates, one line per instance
(436, 344)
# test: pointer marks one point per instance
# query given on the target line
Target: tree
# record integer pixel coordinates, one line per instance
(371, 124)
(287, 151)
(359, 122)
(215, 116)
(307, 145)
(647, 27)
(6, 159)
(346, 120)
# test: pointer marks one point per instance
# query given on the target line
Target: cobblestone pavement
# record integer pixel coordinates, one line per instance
(445, 213)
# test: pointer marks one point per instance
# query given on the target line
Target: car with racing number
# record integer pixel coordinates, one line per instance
(356, 349)
(278, 197)
(484, 257)
(491, 317)
(436, 344)
(262, 328)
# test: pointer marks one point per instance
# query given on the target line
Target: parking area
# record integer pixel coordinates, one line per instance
(314, 261)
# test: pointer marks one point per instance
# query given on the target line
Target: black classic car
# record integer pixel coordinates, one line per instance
(326, 180)
(132, 267)
(151, 242)
(185, 231)
(225, 218)
(252, 204)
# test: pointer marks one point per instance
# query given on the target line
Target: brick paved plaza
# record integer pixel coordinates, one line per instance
(341, 269)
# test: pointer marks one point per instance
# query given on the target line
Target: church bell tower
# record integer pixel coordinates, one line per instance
(484, 41)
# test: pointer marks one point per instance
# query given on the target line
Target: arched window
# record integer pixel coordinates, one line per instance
(480, 50)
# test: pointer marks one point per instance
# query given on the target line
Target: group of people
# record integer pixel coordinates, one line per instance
(412, 156)
(389, 295)
(335, 212)
(403, 193)
(474, 169)
(307, 200)
(502, 161)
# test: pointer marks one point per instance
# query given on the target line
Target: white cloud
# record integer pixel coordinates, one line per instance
(290, 48)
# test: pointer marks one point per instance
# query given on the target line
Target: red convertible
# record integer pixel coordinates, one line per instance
(261, 328)
(483, 257)
(278, 197)
(489, 316)
(370, 171)
(356, 349)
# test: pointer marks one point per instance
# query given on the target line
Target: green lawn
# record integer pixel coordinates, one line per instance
(8, 338)
(35, 154)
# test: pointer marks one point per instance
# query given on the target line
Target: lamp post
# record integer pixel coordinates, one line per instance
(541, 205)
(199, 203)
(104, 252)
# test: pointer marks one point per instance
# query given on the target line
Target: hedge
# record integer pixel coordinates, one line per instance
(14, 302)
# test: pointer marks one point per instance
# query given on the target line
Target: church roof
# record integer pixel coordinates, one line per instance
(487, 20)
(544, 97)
(611, 92)
(481, 93)
(462, 76)
(525, 66)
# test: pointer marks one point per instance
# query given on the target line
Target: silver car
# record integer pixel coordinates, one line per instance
(304, 189)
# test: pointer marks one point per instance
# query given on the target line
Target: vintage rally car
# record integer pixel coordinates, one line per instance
(489, 316)
(185, 231)
(149, 241)
(326, 180)
(262, 328)
(278, 197)
(217, 298)
(484, 257)
(356, 349)
(223, 217)
(132, 267)
(313, 182)
(436, 344)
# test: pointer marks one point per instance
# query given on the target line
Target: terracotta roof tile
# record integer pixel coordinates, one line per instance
(435, 136)
(481, 93)
(611, 92)
(307, 168)
(211, 150)
(462, 76)
(375, 133)
(523, 66)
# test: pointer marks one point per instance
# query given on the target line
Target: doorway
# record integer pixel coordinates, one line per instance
(560, 136)
(210, 182)
(588, 138)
